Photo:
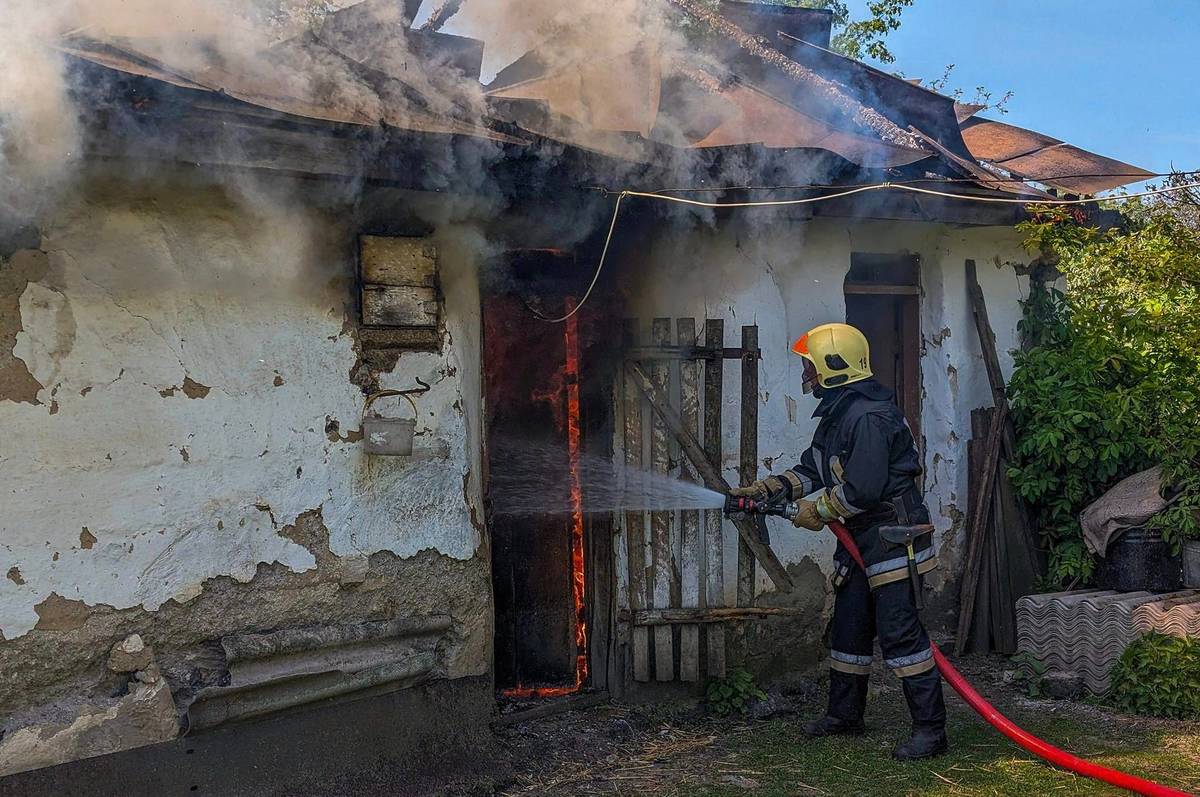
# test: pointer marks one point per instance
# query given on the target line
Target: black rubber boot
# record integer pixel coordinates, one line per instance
(923, 693)
(847, 702)
(832, 726)
(924, 743)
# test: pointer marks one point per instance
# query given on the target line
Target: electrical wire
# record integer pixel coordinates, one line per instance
(904, 187)
(599, 266)
(824, 198)
(913, 181)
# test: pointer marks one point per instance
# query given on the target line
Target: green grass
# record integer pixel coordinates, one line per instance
(980, 762)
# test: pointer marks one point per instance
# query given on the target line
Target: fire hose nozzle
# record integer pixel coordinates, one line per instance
(735, 505)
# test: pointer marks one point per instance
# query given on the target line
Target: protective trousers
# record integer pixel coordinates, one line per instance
(889, 610)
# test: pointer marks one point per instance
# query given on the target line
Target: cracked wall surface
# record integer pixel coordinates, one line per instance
(172, 360)
(787, 277)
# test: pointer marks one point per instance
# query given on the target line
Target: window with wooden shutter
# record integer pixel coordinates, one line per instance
(399, 281)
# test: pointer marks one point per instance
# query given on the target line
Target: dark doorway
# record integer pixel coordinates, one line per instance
(883, 300)
(539, 417)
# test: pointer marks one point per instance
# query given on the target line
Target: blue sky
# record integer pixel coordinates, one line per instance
(1117, 78)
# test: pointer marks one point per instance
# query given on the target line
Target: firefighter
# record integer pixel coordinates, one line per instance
(862, 466)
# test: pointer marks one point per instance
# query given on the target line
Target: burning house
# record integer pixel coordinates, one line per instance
(315, 398)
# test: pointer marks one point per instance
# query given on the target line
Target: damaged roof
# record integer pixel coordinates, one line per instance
(353, 71)
(1041, 158)
(764, 78)
(775, 84)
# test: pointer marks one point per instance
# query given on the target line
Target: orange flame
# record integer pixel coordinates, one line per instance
(570, 383)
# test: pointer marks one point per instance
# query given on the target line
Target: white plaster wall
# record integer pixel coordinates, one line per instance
(146, 290)
(787, 276)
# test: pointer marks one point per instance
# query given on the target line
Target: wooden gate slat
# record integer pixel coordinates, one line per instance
(748, 460)
(713, 568)
(660, 521)
(691, 551)
(635, 530)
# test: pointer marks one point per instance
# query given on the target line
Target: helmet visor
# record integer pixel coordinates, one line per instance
(810, 377)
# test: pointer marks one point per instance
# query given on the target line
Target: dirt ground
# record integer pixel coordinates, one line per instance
(678, 749)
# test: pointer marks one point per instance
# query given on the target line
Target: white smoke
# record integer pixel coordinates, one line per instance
(247, 48)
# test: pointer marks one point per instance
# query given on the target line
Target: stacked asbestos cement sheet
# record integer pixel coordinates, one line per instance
(1083, 633)
(1177, 614)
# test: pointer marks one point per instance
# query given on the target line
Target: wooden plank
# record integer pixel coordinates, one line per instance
(662, 558)
(388, 339)
(977, 526)
(399, 307)
(748, 453)
(713, 568)
(712, 617)
(551, 708)
(397, 261)
(712, 477)
(991, 362)
(881, 288)
(618, 659)
(690, 549)
(635, 529)
(974, 448)
(910, 336)
(683, 351)
(1003, 609)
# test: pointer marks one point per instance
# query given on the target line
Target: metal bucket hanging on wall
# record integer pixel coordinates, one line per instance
(390, 437)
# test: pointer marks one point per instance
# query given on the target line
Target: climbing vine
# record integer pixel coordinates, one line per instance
(1108, 382)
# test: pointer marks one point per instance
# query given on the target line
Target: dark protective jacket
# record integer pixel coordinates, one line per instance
(864, 453)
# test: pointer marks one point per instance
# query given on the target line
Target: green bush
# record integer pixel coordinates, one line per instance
(1160, 676)
(1108, 382)
(733, 693)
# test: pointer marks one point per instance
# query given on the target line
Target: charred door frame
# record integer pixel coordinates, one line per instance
(598, 366)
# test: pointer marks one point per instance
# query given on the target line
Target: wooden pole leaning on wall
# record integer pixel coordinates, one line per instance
(1001, 439)
(991, 364)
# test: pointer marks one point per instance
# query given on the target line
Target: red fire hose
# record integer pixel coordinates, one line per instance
(1033, 744)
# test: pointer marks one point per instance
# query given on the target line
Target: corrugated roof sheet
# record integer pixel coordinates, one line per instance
(1044, 159)
(757, 118)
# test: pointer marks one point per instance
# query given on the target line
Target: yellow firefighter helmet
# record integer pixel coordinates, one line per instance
(835, 355)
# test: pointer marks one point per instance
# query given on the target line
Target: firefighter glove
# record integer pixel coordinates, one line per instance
(763, 490)
(807, 517)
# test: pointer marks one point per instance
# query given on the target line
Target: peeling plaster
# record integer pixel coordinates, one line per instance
(64, 658)
(16, 273)
(191, 295)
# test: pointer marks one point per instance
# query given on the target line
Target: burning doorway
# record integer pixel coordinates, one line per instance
(540, 417)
